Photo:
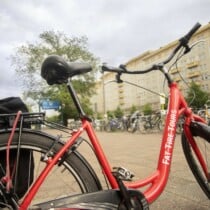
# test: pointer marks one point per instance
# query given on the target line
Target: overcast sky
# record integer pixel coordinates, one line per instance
(117, 30)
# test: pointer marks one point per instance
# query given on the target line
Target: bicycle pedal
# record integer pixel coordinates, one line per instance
(123, 173)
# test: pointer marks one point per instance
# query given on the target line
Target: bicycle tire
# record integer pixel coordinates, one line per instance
(194, 164)
(76, 173)
(132, 128)
(161, 125)
(142, 127)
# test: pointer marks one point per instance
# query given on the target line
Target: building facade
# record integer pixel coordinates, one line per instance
(194, 66)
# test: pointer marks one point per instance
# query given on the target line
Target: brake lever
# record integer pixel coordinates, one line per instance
(184, 43)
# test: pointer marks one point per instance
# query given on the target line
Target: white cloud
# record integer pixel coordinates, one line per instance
(117, 29)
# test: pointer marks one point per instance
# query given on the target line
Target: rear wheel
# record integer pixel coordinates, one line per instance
(73, 176)
(194, 164)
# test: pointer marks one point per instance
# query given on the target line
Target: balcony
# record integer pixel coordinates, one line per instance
(192, 64)
(193, 74)
(121, 101)
(177, 79)
(174, 70)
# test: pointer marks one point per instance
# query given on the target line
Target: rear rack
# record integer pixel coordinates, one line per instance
(29, 119)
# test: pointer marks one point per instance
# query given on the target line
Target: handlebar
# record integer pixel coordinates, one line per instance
(183, 42)
(188, 36)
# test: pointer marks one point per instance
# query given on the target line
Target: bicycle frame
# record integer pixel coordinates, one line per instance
(177, 107)
(157, 180)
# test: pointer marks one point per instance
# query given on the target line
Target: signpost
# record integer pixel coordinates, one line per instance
(46, 104)
(162, 103)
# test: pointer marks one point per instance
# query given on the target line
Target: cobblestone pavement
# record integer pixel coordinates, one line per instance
(139, 153)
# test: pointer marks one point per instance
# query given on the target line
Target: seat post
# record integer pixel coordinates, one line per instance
(75, 99)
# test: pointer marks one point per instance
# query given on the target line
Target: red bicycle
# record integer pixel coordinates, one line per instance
(63, 160)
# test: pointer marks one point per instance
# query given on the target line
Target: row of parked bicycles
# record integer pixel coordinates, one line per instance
(143, 123)
(132, 123)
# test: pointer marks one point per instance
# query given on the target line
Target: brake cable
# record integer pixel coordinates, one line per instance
(7, 178)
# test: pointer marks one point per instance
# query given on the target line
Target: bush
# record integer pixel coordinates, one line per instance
(147, 109)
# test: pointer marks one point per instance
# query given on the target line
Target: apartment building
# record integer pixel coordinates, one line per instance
(194, 66)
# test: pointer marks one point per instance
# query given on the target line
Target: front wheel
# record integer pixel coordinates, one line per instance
(73, 175)
(194, 164)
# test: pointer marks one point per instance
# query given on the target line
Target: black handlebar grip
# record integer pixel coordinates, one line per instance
(192, 31)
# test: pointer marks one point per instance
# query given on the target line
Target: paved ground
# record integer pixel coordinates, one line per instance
(139, 153)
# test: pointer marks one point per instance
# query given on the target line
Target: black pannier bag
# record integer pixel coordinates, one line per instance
(8, 106)
(26, 160)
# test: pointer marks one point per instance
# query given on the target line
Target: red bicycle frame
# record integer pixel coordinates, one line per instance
(157, 181)
(177, 106)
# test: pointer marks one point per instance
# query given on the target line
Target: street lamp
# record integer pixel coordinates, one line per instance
(104, 93)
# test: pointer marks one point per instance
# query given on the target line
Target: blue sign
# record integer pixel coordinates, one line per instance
(48, 104)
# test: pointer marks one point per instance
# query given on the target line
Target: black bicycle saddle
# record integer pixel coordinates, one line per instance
(55, 70)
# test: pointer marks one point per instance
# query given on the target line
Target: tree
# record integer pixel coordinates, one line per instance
(196, 97)
(29, 57)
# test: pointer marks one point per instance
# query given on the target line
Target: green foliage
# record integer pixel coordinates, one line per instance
(118, 112)
(196, 97)
(29, 57)
(166, 103)
(147, 109)
(110, 114)
(99, 116)
(55, 119)
(133, 109)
